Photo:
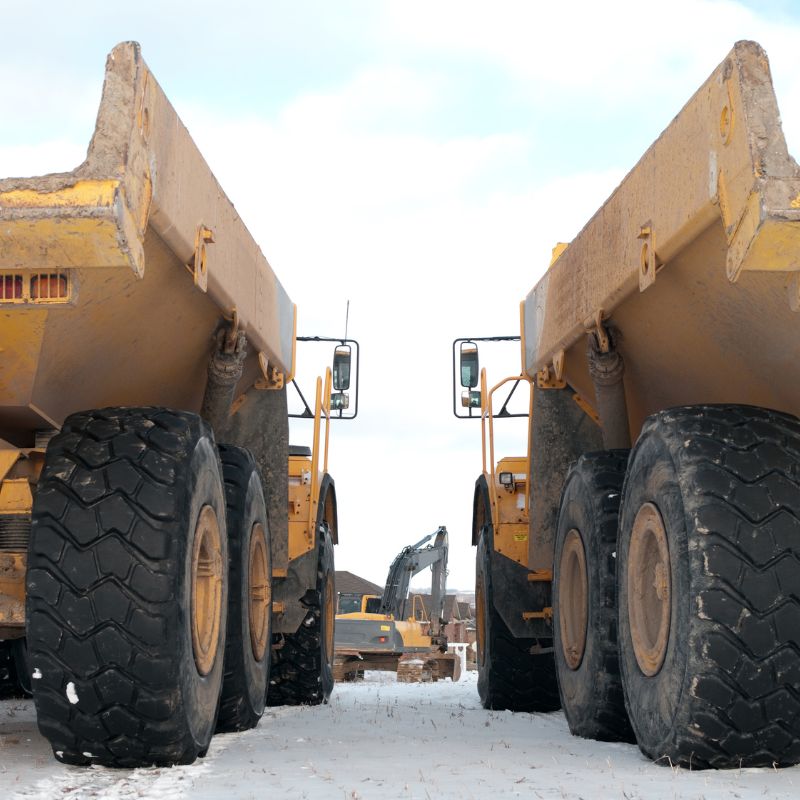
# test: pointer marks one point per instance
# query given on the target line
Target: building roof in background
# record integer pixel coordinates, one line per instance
(348, 583)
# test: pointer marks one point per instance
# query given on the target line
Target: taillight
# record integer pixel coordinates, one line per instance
(11, 287)
(52, 286)
(38, 287)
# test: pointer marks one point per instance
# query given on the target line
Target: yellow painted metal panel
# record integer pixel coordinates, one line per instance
(301, 534)
(694, 258)
(82, 194)
(510, 515)
(126, 222)
(12, 590)
(15, 496)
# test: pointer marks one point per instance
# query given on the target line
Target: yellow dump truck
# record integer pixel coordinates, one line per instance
(151, 569)
(643, 557)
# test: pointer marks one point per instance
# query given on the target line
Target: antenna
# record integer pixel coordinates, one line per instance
(346, 319)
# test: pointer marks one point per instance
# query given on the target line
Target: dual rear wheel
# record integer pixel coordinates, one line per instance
(677, 611)
(148, 589)
(302, 673)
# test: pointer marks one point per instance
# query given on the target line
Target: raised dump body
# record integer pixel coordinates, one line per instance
(654, 589)
(695, 259)
(140, 326)
(114, 277)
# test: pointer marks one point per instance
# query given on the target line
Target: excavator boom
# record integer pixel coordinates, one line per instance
(394, 638)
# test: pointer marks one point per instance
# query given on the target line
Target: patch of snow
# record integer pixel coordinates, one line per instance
(72, 695)
(377, 739)
(36, 674)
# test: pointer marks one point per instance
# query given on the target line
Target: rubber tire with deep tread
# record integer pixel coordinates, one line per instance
(14, 676)
(19, 650)
(510, 677)
(591, 693)
(244, 687)
(302, 663)
(109, 588)
(726, 482)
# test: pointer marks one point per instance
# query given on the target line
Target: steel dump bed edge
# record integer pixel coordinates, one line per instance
(702, 280)
(113, 276)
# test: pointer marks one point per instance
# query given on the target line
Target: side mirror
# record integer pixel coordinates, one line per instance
(341, 367)
(340, 401)
(469, 365)
(470, 399)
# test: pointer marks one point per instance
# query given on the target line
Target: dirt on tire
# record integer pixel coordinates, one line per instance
(591, 686)
(109, 588)
(725, 483)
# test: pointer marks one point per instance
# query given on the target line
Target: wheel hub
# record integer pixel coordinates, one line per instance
(259, 590)
(649, 589)
(573, 593)
(207, 582)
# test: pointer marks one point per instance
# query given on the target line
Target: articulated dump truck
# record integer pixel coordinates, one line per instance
(153, 571)
(640, 566)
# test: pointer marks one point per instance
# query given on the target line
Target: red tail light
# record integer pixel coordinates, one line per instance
(49, 287)
(10, 287)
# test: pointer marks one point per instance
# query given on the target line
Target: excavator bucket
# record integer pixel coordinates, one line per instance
(419, 668)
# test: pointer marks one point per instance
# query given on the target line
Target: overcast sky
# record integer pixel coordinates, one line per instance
(419, 159)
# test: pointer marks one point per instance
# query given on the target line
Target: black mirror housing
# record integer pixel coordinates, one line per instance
(469, 365)
(341, 367)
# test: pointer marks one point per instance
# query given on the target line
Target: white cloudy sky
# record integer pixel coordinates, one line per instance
(418, 159)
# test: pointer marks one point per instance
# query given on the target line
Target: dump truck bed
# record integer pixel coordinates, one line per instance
(703, 281)
(113, 277)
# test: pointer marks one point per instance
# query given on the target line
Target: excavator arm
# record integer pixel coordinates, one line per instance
(387, 639)
(409, 562)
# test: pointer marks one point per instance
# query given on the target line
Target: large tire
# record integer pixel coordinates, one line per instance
(15, 681)
(302, 665)
(127, 588)
(19, 649)
(510, 676)
(249, 630)
(584, 599)
(709, 587)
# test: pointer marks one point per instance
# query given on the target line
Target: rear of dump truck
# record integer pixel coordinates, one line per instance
(150, 568)
(650, 582)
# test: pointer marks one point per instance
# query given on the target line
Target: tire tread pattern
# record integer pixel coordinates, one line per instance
(102, 619)
(235, 711)
(601, 475)
(739, 474)
(299, 675)
(10, 683)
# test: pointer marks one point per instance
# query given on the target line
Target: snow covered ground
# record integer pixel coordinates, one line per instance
(381, 739)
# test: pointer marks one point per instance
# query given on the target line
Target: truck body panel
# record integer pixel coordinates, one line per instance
(122, 230)
(702, 235)
(663, 453)
(146, 348)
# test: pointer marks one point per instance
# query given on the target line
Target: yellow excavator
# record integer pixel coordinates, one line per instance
(390, 632)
